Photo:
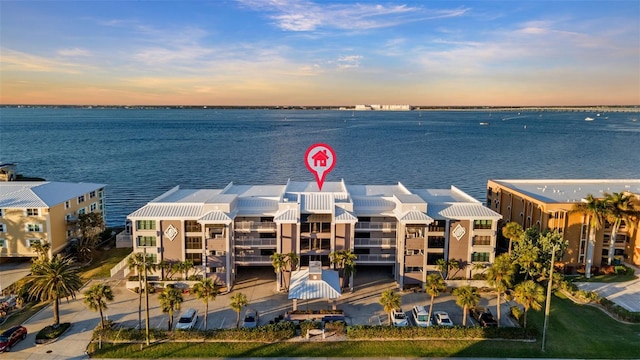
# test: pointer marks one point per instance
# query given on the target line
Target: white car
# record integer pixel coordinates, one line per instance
(399, 318)
(421, 316)
(250, 319)
(187, 320)
(442, 318)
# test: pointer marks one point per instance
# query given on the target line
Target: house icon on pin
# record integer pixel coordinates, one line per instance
(320, 158)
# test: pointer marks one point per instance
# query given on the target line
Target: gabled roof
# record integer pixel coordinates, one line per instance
(302, 288)
(316, 203)
(462, 211)
(288, 216)
(216, 217)
(165, 211)
(41, 194)
(415, 217)
(344, 217)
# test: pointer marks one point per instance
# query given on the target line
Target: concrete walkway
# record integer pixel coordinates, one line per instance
(625, 294)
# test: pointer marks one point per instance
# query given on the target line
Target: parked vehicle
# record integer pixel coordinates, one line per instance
(250, 319)
(483, 316)
(442, 318)
(187, 320)
(399, 318)
(10, 337)
(421, 316)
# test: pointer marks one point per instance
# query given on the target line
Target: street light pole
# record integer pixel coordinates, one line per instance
(547, 308)
(146, 296)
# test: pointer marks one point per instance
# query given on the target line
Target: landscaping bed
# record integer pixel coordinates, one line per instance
(51, 333)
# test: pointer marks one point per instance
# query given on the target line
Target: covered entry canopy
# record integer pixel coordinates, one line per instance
(314, 283)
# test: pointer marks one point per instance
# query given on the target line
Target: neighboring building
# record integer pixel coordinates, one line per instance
(40, 212)
(547, 204)
(383, 107)
(224, 230)
(7, 172)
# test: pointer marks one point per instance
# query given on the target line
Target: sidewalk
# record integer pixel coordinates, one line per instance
(626, 294)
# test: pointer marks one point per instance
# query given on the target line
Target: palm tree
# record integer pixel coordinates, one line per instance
(466, 297)
(291, 260)
(96, 299)
(170, 299)
(238, 301)
(206, 290)
(389, 301)
(620, 208)
(512, 231)
(531, 295)
(596, 211)
(434, 286)
(345, 261)
(53, 279)
(138, 262)
(278, 261)
(500, 276)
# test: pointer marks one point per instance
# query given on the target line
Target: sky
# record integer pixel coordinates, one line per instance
(315, 52)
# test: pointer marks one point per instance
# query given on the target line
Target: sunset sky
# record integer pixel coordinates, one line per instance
(287, 52)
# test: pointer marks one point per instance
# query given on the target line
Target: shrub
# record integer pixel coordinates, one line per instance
(517, 313)
(338, 327)
(479, 276)
(456, 332)
(309, 325)
(50, 332)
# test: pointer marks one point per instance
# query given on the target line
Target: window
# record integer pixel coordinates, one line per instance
(146, 224)
(34, 227)
(92, 194)
(1, 212)
(482, 224)
(436, 242)
(437, 225)
(3, 243)
(80, 199)
(67, 204)
(153, 257)
(2, 228)
(146, 241)
(32, 242)
(480, 257)
(195, 257)
(192, 226)
(220, 253)
(193, 242)
(93, 207)
(267, 252)
(432, 258)
(82, 211)
(100, 193)
(481, 240)
(32, 212)
(410, 269)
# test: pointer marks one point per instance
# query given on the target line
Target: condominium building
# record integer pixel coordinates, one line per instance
(547, 204)
(225, 230)
(41, 211)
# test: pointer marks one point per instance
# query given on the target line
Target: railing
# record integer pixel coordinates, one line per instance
(124, 240)
(254, 226)
(256, 241)
(386, 258)
(383, 242)
(374, 225)
(253, 258)
(119, 266)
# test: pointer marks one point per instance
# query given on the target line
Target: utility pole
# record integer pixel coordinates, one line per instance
(547, 308)
(146, 296)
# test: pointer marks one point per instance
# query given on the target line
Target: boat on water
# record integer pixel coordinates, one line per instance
(484, 123)
(588, 119)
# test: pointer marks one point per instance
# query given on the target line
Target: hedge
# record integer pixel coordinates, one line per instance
(438, 332)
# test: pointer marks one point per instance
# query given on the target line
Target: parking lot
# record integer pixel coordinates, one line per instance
(360, 307)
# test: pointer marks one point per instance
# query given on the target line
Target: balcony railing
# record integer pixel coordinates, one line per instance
(379, 258)
(382, 242)
(254, 226)
(255, 242)
(375, 225)
(253, 258)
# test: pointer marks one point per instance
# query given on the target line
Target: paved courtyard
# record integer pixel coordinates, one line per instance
(626, 294)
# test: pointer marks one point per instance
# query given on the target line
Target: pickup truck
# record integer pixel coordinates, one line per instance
(483, 316)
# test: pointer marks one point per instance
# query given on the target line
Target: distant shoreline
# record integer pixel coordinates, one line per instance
(595, 108)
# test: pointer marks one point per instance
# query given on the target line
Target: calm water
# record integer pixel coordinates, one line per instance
(142, 153)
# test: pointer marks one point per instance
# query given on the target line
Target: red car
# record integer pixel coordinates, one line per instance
(11, 337)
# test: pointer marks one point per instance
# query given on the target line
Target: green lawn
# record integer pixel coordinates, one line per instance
(576, 331)
(609, 278)
(102, 263)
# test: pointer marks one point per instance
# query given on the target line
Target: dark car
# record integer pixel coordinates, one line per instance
(11, 337)
(483, 316)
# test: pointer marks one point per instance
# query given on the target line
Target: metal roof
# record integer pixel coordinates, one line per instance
(312, 203)
(461, 211)
(303, 288)
(256, 206)
(373, 205)
(41, 194)
(288, 216)
(216, 217)
(570, 191)
(168, 211)
(415, 216)
(343, 216)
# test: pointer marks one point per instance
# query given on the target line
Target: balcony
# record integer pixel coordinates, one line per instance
(414, 260)
(376, 258)
(249, 226)
(216, 244)
(255, 242)
(381, 242)
(414, 243)
(254, 259)
(374, 225)
(124, 240)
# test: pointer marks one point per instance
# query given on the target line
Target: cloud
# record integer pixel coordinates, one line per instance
(348, 62)
(74, 52)
(291, 15)
(13, 60)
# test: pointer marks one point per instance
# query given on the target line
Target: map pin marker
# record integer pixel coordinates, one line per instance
(320, 160)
